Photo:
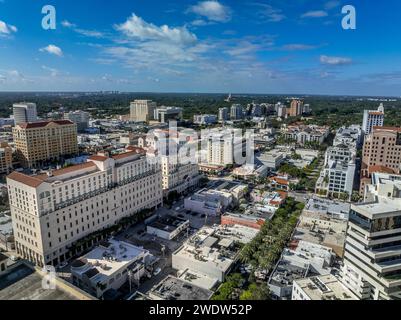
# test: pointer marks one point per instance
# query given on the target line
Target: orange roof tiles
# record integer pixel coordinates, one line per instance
(42, 124)
(98, 158)
(31, 181)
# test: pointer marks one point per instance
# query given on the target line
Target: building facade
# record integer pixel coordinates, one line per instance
(142, 110)
(52, 212)
(373, 118)
(40, 142)
(382, 148)
(25, 112)
(6, 158)
(372, 263)
(80, 118)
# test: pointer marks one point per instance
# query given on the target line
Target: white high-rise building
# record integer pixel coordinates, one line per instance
(338, 174)
(24, 112)
(373, 118)
(80, 118)
(56, 215)
(223, 114)
(142, 110)
(372, 259)
(237, 112)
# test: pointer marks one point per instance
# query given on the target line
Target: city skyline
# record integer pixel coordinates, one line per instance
(201, 46)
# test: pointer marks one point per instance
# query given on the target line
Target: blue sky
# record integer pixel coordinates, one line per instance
(276, 46)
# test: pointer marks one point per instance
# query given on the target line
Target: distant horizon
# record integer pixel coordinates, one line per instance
(289, 95)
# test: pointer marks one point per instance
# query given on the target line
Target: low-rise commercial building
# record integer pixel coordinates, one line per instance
(326, 287)
(167, 227)
(109, 266)
(172, 288)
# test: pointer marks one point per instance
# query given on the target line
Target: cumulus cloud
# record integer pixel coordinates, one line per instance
(334, 61)
(138, 28)
(7, 29)
(212, 10)
(52, 49)
(315, 14)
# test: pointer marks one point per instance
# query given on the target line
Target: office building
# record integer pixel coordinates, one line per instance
(165, 114)
(223, 114)
(205, 119)
(80, 118)
(296, 108)
(142, 110)
(373, 118)
(381, 152)
(6, 158)
(237, 112)
(41, 142)
(25, 112)
(52, 213)
(372, 268)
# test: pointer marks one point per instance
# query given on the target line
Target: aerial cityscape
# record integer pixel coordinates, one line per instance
(177, 156)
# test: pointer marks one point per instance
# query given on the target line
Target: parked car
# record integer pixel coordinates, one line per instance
(157, 271)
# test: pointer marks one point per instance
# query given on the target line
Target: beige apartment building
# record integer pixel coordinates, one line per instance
(52, 212)
(6, 158)
(40, 142)
(142, 110)
(381, 153)
(178, 175)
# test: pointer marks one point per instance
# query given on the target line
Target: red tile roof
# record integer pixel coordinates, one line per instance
(98, 158)
(42, 124)
(382, 169)
(124, 155)
(32, 181)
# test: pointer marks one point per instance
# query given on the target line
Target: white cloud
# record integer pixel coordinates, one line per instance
(52, 49)
(335, 61)
(269, 13)
(136, 27)
(212, 10)
(315, 14)
(84, 32)
(7, 29)
(298, 47)
(67, 24)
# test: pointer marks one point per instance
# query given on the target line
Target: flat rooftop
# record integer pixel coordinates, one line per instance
(107, 258)
(326, 206)
(326, 287)
(167, 223)
(172, 288)
(22, 282)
